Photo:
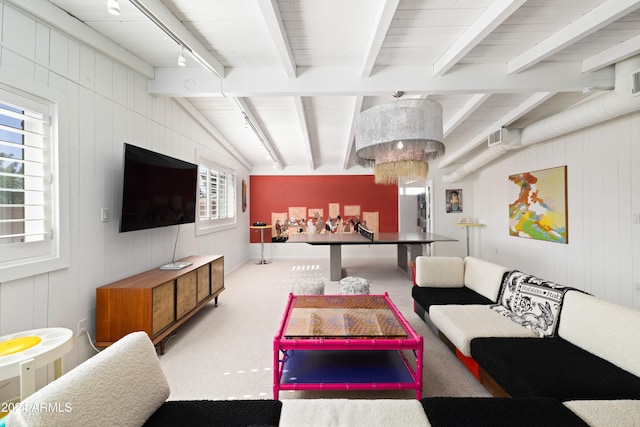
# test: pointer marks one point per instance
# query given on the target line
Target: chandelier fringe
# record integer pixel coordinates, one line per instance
(391, 172)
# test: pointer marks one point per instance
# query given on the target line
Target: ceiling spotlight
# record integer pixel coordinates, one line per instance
(182, 61)
(113, 7)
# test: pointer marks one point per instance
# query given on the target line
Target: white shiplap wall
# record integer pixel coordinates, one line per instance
(603, 253)
(105, 105)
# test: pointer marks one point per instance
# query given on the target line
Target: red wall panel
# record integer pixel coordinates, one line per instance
(269, 194)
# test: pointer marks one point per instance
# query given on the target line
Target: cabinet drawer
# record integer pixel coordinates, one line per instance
(186, 293)
(217, 275)
(204, 282)
(163, 306)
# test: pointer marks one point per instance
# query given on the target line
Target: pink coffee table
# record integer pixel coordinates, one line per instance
(345, 342)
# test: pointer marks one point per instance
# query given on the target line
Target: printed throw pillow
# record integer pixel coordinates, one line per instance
(531, 302)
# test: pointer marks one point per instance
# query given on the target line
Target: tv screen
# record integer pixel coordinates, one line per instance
(157, 190)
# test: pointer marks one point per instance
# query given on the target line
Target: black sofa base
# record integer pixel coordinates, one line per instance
(552, 367)
(494, 412)
(441, 412)
(427, 296)
(223, 413)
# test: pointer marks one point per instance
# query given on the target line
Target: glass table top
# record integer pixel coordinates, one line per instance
(343, 316)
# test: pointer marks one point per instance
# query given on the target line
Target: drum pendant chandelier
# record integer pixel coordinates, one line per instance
(399, 138)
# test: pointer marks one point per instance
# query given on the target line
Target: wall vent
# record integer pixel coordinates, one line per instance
(495, 138)
(635, 83)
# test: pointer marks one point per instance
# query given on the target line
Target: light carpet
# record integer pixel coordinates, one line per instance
(226, 352)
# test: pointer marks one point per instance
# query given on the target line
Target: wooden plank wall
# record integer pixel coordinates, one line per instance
(102, 104)
(603, 253)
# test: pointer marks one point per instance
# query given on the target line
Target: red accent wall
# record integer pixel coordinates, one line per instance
(276, 193)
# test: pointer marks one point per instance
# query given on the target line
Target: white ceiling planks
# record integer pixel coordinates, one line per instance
(303, 70)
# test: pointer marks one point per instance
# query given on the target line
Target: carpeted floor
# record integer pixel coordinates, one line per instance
(226, 352)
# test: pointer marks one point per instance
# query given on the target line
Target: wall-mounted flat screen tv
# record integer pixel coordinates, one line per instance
(157, 190)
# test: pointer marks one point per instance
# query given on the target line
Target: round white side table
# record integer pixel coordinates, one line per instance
(52, 345)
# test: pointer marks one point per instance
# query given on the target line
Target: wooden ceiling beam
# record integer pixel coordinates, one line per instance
(275, 25)
(495, 15)
(586, 25)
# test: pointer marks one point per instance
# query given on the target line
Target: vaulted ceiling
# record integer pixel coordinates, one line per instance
(295, 74)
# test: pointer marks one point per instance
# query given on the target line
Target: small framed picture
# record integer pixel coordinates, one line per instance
(454, 201)
(463, 220)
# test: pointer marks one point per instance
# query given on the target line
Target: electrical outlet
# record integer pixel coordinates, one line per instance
(82, 327)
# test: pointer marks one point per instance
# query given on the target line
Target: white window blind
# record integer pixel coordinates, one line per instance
(24, 176)
(217, 199)
(31, 240)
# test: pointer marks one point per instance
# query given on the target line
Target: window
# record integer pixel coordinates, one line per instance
(29, 216)
(217, 197)
(22, 176)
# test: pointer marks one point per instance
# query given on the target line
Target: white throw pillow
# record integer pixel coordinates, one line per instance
(483, 277)
(439, 272)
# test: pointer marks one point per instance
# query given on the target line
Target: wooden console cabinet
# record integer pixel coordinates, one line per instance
(157, 301)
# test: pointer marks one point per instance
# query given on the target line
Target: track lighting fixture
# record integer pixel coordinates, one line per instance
(113, 7)
(182, 61)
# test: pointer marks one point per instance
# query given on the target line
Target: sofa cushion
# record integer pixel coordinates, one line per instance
(483, 277)
(490, 412)
(441, 272)
(603, 328)
(607, 413)
(353, 412)
(552, 367)
(531, 302)
(461, 323)
(216, 412)
(123, 384)
(426, 297)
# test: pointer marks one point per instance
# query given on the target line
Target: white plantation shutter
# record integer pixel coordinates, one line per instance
(23, 176)
(213, 195)
(217, 197)
(28, 195)
(222, 186)
(231, 196)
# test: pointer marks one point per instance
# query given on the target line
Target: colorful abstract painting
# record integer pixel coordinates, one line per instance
(538, 208)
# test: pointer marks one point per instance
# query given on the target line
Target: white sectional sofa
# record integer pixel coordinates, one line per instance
(536, 338)
(451, 280)
(124, 386)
